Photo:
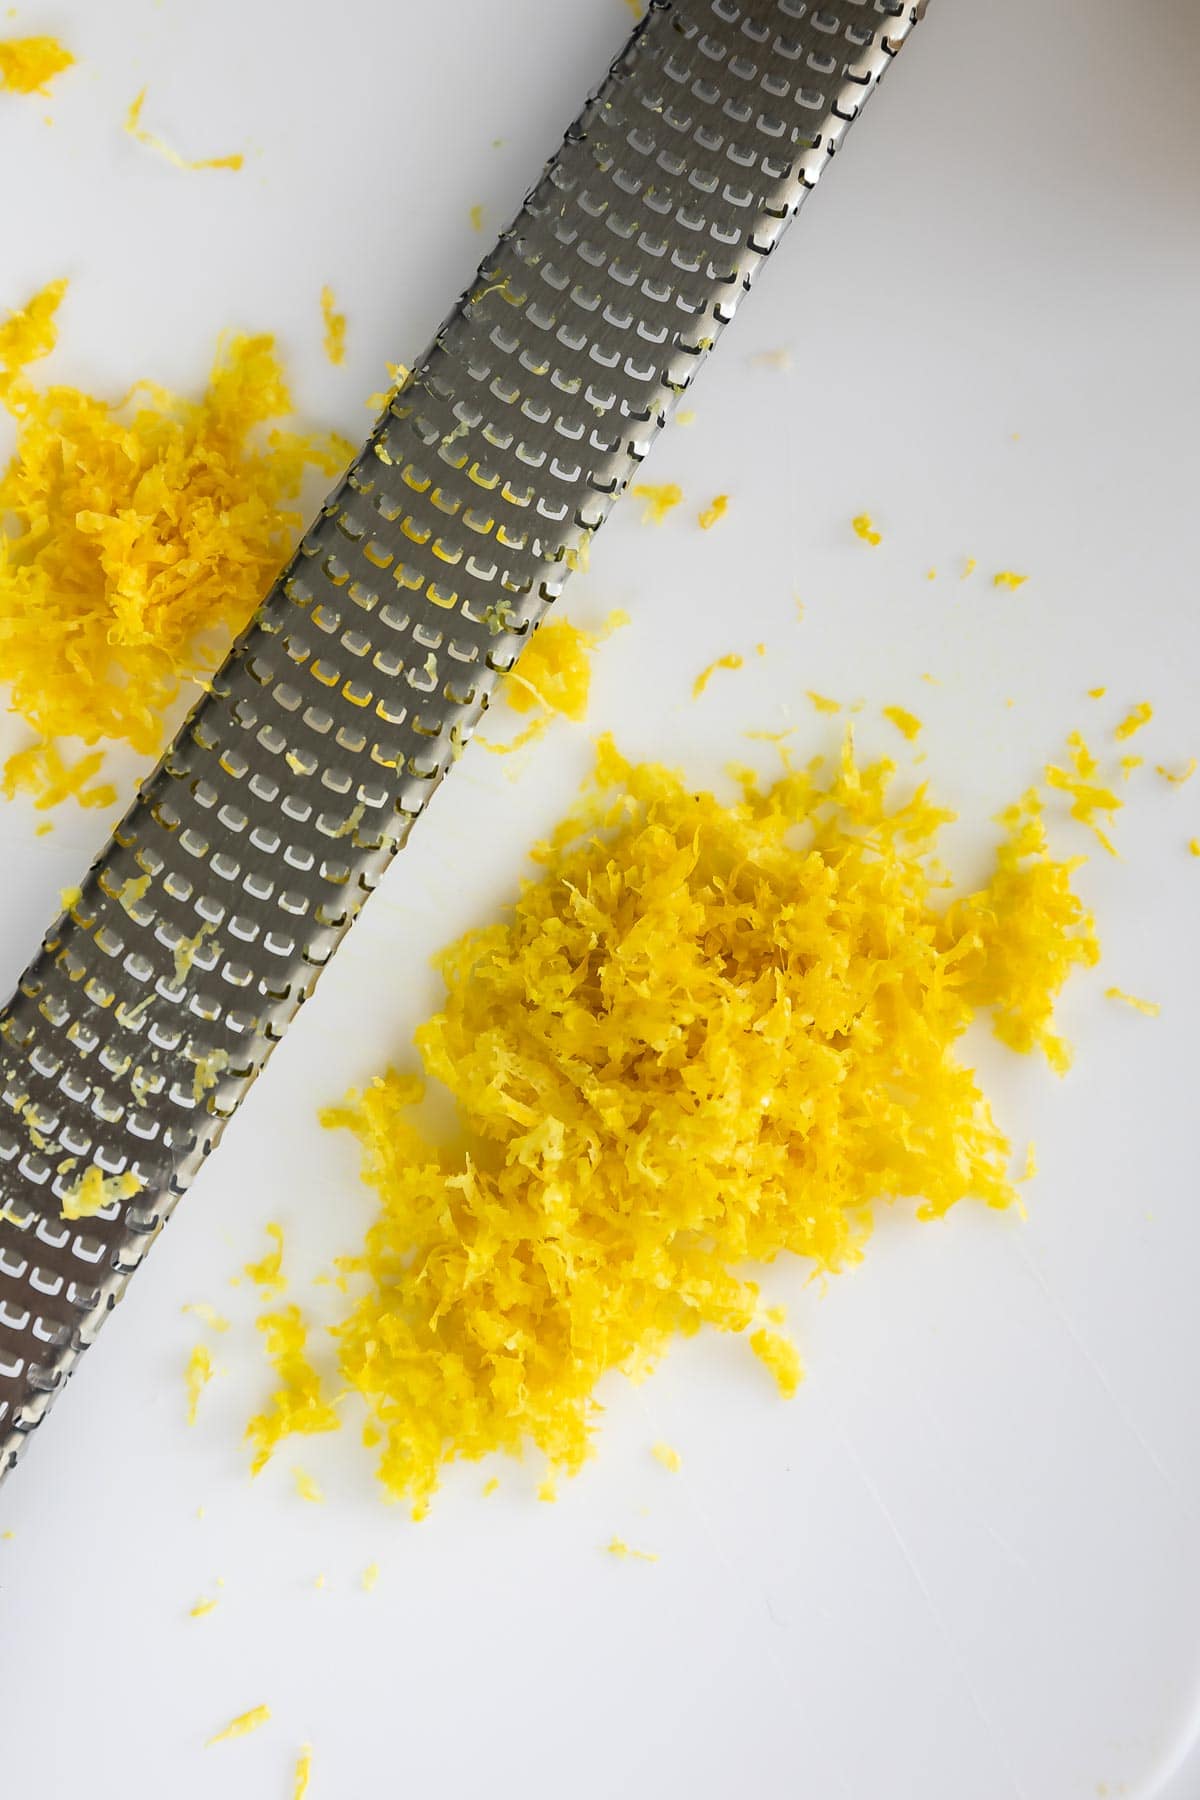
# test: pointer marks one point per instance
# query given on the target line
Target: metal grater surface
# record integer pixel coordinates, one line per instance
(226, 888)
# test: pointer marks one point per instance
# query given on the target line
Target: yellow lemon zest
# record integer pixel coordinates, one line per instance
(659, 498)
(137, 130)
(29, 65)
(335, 327)
(731, 660)
(717, 510)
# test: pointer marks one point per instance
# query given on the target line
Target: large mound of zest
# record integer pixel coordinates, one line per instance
(136, 538)
(704, 1035)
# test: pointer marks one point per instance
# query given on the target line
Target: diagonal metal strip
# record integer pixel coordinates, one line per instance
(226, 888)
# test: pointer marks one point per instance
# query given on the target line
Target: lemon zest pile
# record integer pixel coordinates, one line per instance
(29, 65)
(94, 1191)
(1135, 718)
(711, 514)
(1088, 797)
(1151, 1008)
(668, 1457)
(864, 527)
(906, 723)
(335, 327)
(299, 1403)
(198, 1374)
(1008, 578)
(704, 1035)
(659, 499)
(137, 130)
(242, 1726)
(731, 660)
(138, 539)
(617, 1546)
(553, 676)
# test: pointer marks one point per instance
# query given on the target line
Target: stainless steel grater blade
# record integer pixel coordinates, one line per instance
(204, 923)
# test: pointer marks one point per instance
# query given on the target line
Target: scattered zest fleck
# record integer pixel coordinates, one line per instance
(136, 130)
(335, 327)
(618, 1547)
(476, 217)
(659, 499)
(781, 1356)
(822, 702)
(1008, 578)
(306, 1487)
(1177, 777)
(303, 1773)
(864, 527)
(1151, 1008)
(1097, 693)
(370, 1576)
(729, 661)
(198, 1374)
(1135, 718)
(267, 1273)
(242, 1726)
(202, 1608)
(668, 1457)
(906, 723)
(719, 507)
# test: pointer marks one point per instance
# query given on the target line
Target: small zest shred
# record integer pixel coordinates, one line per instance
(1194, 846)
(553, 677)
(703, 1036)
(1129, 764)
(267, 1274)
(1177, 777)
(906, 723)
(242, 1726)
(1088, 797)
(779, 1355)
(731, 660)
(476, 217)
(335, 327)
(1097, 693)
(94, 1191)
(490, 1486)
(617, 1546)
(370, 1576)
(970, 565)
(29, 65)
(200, 1309)
(137, 130)
(669, 1458)
(1008, 578)
(298, 1403)
(659, 498)
(140, 538)
(303, 1773)
(202, 1608)
(42, 771)
(822, 703)
(1135, 718)
(717, 510)
(1151, 1008)
(306, 1487)
(198, 1374)
(1030, 1168)
(864, 527)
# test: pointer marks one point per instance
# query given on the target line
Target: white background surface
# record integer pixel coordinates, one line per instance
(964, 1564)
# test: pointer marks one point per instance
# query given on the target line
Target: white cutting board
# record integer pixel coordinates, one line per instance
(964, 1563)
